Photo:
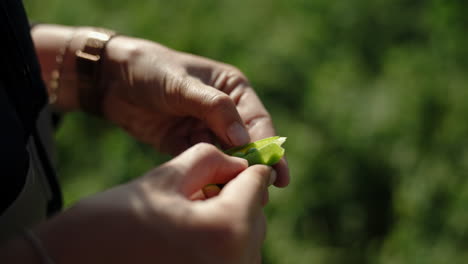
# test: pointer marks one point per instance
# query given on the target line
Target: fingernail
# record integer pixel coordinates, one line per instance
(272, 177)
(238, 134)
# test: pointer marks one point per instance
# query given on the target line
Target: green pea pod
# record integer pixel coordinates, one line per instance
(267, 151)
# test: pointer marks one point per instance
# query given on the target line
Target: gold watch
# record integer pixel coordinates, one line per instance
(88, 66)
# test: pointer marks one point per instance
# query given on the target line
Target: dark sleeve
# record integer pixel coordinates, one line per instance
(13, 154)
(22, 96)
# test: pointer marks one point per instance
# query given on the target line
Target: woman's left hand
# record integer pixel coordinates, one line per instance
(169, 99)
(173, 100)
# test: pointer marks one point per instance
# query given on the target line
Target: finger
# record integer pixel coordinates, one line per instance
(282, 170)
(204, 164)
(260, 125)
(184, 133)
(198, 132)
(174, 139)
(214, 107)
(202, 136)
(254, 115)
(247, 190)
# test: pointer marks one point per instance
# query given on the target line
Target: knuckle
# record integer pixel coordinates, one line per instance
(236, 72)
(206, 150)
(221, 102)
(233, 78)
(204, 147)
(262, 169)
(260, 175)
(134, 51)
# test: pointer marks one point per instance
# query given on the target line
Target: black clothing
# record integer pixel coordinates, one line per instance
(22, 96)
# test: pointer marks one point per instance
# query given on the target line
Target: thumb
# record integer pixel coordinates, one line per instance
(248, 189)
(204, 164)
(215, 108)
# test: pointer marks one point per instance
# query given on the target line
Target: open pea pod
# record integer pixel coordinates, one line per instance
(267, 151)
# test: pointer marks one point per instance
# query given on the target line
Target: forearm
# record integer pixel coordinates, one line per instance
(77, 237)
(64, 239)
(18, 251)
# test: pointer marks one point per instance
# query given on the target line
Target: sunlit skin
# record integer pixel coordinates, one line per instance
(172, 101)
(153, 219)
(163, 97)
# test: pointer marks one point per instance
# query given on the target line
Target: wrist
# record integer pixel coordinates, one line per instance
(52, 42)
(89, 68)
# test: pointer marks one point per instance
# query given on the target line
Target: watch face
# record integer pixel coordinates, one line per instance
(88, 57)
(95, 43)
(102, 36)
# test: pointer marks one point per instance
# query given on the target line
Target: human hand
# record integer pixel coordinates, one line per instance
(152, 219)
(173, 100)
(169, 99)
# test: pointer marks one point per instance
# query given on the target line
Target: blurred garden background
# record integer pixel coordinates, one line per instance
(372, 95)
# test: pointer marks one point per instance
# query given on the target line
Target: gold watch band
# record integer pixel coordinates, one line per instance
(88, 64)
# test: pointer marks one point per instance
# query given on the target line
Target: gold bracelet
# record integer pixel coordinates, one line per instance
(54, 83)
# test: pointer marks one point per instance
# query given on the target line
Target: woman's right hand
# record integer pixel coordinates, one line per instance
(153, 220)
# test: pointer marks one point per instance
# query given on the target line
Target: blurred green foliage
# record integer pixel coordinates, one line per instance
(372, 95)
